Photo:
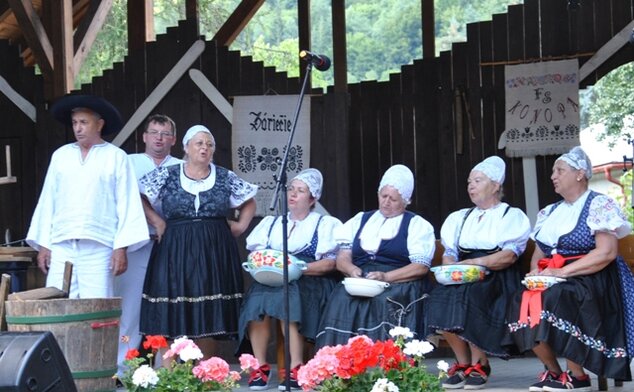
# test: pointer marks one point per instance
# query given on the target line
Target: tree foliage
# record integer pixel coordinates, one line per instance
(611, 102)
(382, 35)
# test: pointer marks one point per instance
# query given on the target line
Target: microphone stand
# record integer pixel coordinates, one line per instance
(281, 184)
(630, 160)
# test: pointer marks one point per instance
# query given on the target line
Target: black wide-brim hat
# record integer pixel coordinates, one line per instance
(63, 108)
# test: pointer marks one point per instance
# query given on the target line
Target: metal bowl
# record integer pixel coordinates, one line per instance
(265, 266)
(541, 282)
(459, 273)
(361, 287)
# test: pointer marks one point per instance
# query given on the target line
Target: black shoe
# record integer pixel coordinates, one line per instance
(259, 378)
(568, 382)
(477, 376)
(544, 377)
(456, 376)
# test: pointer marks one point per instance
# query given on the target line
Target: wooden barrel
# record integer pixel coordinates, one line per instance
(87, 330)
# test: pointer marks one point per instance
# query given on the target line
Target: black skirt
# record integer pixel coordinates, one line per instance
(476, 312)
(346, 316)
(193, 285)
(581, 320)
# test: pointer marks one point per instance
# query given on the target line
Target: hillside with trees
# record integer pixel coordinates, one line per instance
(382, 35)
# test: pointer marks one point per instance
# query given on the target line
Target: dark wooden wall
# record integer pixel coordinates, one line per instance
(410, 118)
(356, 136)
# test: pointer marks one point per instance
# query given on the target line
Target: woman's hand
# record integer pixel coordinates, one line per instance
(377, 275)
(534, 271)
(160, 225)
(557, 272)
(245, 213)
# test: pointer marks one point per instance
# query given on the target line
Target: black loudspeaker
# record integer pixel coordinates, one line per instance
(33, 361)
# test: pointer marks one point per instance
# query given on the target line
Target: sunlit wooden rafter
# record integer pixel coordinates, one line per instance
(234, 25)
(87, 31)
(34, 33)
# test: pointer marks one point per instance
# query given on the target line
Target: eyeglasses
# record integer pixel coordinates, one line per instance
(162, 134)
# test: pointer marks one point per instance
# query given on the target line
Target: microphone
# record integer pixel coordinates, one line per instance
(319, 61)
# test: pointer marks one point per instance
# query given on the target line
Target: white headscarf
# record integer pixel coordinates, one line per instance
(313, 179)
(401, 178)
(191, 132)
(578, 159)
(493, 167)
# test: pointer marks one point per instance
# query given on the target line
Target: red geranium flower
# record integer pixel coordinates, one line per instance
(155, 342)
(132, 353)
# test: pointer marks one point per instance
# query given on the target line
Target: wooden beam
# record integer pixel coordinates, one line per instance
(142, 30)
(5, 11)
(303, 29)
(236, 22)
(62, 41)
(191, 10)
(429, 24)
(172, 77)
(34, 33)
(340, 53)
(87, 31)
(606, 51)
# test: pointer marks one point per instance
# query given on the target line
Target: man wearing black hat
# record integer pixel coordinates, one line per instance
(89, 211)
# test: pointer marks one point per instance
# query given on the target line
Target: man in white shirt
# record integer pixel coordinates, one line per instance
(89, 211)
(159, 135)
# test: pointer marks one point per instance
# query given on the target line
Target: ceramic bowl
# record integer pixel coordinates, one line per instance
(540, 282)
(265, 266)
(362, 287)
(459, 273)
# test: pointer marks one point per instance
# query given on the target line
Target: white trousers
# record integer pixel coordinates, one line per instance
(92, 276)
(129, 286)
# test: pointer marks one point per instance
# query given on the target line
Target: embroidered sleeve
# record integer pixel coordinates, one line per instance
(344, 234)
(541, 218)
(241, 190)
(421, 241)
(152, 183)
(326, 245)
(449, 232)
(514, 231)
(259, 237)
(606, 216)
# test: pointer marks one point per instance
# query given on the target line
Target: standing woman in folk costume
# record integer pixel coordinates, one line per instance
(193, 286)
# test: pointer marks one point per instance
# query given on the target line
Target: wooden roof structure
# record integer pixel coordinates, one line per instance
(59, 34)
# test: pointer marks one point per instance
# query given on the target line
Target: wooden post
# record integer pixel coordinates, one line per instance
(5, 284)
(142, 29)
(303, 27)
(340, 53)
(429, 24)
(62, 41)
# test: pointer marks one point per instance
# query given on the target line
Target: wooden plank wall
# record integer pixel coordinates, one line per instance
(410, 119)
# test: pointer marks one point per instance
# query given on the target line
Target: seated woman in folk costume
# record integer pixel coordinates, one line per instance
(472, 316)
(390, 245)
(582, 319)
(309, 239)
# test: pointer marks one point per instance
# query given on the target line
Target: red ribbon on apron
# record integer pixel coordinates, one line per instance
(531, 304)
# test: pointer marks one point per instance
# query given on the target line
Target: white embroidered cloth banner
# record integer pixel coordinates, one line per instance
(261, 129)
(542, 108)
